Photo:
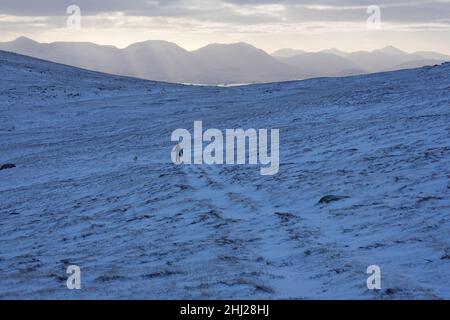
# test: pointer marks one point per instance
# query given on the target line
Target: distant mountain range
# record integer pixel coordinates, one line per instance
(334, 62)
(216, 64)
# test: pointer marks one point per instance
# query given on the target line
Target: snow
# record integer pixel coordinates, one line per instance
(147, 229)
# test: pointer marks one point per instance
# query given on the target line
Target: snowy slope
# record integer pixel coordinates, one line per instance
(94, 186)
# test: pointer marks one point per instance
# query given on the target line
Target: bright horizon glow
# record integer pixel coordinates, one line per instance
(269, 25)
(200, 45)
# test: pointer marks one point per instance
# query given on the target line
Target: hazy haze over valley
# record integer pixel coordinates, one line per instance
(218, 64)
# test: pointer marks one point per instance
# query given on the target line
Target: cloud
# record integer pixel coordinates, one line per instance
(241, 11)
(226, 20)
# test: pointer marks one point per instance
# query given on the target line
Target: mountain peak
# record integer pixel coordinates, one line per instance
(154, 43)
(24, 40)
(390, 50)
(230, 49)
(229, 45)
(335, 51)
(287, 53)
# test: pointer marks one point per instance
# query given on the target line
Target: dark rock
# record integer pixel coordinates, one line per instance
(164, 273)
(390, 291)
(424, 199)
(332, 198)
(285, 216)
(263, 288)
(7, 166)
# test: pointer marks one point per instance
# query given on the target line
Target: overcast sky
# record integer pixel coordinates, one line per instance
(268, 24)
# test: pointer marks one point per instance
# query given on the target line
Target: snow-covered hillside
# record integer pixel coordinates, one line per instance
(93, 185)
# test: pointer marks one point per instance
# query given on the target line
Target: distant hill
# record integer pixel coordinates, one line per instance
(432, 55)
(242, 63)
(287, 53)
(216, 64)
(323, 64)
